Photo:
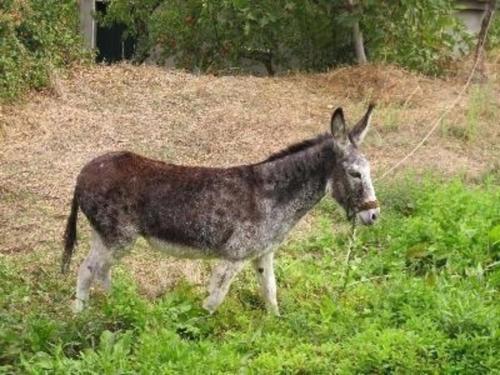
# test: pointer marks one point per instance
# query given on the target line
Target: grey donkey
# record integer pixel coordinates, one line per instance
(231, 214)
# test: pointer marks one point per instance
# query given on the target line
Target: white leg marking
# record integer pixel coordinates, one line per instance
(265, 275)
(220, 281)
(96, 265)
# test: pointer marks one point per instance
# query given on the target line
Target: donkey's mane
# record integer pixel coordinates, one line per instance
(297, 147)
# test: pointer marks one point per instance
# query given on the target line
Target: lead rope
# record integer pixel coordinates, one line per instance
(352, 237)
(459, 96)
(347, 267)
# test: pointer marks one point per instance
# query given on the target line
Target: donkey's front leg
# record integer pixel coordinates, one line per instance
(220, 281)
(265, 274)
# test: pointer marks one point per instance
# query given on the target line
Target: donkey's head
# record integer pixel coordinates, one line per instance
(351, 183)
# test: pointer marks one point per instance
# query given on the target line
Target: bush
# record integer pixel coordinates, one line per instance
(36, 36)
(493, 38)
(309, 35)
(420, 35)
(226, 33)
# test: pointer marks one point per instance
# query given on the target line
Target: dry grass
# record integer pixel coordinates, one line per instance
(211, 121)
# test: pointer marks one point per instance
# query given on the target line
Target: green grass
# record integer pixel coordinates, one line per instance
(422, 298)
(481, 113)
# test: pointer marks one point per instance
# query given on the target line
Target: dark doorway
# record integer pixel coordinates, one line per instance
(110, 44)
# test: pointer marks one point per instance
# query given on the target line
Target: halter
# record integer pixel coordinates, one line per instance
(367, 206)
(351, 212)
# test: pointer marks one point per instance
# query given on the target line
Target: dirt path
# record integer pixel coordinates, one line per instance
(220, 121)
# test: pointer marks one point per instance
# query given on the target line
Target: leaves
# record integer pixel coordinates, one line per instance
(420, 35)
(35, 37)
(229, 32)
(424, 316)
(494, 238)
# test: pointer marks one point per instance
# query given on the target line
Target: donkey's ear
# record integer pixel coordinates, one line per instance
(338, 124)
(357, 134)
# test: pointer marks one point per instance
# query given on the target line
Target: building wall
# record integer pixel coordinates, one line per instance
(471, 13)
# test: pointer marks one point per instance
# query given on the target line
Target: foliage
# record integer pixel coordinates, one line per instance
(36, 36)
(310, 35)
(421, 35)
(222, 34)
(422, 298)
(493, 38)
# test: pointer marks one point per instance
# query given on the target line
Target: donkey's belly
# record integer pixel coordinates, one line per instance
(179, 251)
(246, 241)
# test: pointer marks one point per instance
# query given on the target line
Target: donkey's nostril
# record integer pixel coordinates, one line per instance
(369, 217)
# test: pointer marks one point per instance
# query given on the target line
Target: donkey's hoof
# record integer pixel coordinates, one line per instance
(273, 310)
(78, 306)
(209, 306)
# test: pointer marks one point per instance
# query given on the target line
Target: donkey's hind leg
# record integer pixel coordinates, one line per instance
(96, 265)
(220, 281)
(265, 275)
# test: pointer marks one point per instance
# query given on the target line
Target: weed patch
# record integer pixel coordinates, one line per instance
(422, 298)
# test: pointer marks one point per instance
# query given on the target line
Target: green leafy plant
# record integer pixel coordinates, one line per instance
(419, 35)
(213, 35)
(404, 310)
(493, 37)
(36, 36)
(307, 35)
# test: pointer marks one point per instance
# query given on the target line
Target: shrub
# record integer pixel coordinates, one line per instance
(420, 35)
(36, 36)
(493, 38)
(226, 33)
(309, 35)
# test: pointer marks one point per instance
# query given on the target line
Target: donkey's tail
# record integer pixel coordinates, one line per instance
(70, 236)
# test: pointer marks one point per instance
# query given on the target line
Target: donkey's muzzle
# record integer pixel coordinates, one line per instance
(368, 212)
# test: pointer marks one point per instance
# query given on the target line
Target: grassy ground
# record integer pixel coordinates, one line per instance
(423, 291)
(422, 297)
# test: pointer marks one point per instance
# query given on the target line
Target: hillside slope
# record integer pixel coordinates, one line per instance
(221, 121)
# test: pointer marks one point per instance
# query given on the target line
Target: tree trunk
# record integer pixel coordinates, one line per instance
(359, 46)
(357, 36)
(481, 38)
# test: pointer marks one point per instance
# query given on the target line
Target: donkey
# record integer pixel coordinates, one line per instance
(232, 214)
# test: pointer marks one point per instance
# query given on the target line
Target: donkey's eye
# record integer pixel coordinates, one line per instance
(355, 174)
